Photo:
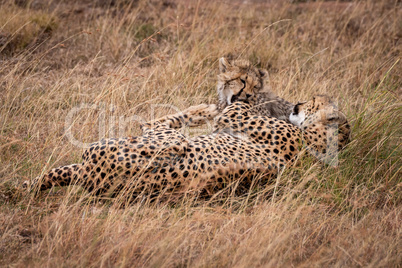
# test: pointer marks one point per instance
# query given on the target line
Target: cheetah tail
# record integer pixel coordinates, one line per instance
(60, 176)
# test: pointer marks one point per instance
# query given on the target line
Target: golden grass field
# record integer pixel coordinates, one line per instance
(123, 59)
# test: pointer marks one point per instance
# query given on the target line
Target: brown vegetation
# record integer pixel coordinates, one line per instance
(123, 56)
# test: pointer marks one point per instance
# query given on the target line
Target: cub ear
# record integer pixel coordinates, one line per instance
(263, 73)
(224, 64)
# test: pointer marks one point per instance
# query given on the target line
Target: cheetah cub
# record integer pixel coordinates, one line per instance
(239, 80)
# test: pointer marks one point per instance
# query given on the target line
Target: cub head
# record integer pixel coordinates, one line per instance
(238, 80)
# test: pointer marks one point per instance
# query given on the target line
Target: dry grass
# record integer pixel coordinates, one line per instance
(125, 57)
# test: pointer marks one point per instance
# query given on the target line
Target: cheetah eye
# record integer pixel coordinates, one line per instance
(243, 81)
(332, 118)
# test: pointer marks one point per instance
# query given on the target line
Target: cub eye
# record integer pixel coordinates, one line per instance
(243, 81)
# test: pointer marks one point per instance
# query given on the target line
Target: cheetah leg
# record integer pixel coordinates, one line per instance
(60, 176)
(160, 136)
(159, 139)
(192, 117)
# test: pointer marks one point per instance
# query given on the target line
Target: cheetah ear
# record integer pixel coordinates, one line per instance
(301, 102)
(223, 64)
(263, 73)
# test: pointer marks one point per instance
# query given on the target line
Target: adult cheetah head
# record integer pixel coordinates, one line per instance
(325, 126)
(238, 80)
(318, 110)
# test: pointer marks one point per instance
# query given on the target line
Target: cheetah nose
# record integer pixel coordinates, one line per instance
(248, 96)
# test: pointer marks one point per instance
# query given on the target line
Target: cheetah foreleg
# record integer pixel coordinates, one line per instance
(191, 117)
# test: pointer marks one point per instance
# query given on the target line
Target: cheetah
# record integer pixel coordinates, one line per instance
(242, 145)
(240, 80)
